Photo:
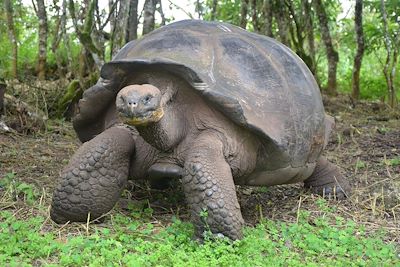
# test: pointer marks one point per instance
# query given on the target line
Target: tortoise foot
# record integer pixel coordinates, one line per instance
(91, 183)
(327, 181)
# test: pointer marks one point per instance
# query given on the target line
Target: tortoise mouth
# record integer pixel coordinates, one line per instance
(142, 119)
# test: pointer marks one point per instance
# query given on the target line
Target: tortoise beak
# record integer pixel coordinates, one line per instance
(139, 104)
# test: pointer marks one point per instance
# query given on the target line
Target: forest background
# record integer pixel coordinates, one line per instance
(351, 47)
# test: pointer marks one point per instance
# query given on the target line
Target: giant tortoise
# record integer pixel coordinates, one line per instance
(208, 103)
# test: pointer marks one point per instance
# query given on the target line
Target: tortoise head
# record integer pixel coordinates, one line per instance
(139, 105)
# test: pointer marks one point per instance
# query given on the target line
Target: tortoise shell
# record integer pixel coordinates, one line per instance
(255, 81)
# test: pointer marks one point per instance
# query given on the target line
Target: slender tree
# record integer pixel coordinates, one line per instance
(3, 88)
(389, 69)
(243, 13)
(149, 10)
(332, 54)
(57, 37)
(42, 16)
(93, 52)
(297, 30)
(65, 35)
(132, 21)
(254, 16)
(281, 17)
(213, 9)
(355, 82)
(112, 6)
(268, 17)
(13, 37)
(309, 27)
(121, 27)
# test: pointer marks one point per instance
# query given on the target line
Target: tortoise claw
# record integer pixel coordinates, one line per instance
(327, 181)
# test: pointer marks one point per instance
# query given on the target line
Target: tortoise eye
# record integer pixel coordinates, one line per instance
(147, 98)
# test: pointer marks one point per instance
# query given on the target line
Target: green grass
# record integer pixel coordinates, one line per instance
(393, 162)
(129, 242)
(29, 238)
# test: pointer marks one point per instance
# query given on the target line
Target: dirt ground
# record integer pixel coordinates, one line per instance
(365, 144)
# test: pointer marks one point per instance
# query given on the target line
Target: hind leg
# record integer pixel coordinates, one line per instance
(326, 180)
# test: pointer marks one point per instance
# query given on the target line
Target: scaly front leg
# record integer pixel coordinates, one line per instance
(94, 178)
(210, 190)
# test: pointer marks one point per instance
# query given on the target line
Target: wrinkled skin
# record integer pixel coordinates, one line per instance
(180, 135)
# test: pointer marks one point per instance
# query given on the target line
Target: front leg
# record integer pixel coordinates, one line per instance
(94, 178)
(210, 190)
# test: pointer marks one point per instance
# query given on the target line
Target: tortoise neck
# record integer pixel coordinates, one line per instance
(167, 133)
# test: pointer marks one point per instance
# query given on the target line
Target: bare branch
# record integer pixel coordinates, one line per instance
(182, 9)
(112, 9)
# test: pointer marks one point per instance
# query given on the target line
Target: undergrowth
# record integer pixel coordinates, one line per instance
(307, 243)
(124, 240)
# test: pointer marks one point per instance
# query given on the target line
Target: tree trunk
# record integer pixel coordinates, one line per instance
(3, 87)
(131, 33)
(113, 24)
(355, 82)
(310, 36)
(296, 28)
(149, 10)
(57, 36)
(268, 16)
(66, 36)
(213, 10)
(121, 26)
(13, 37)
(394, 100)
(332, 54)
(243, 13)
(42, 16)
(390, 65)
(281, 18)
(254, 16)
(84, 34)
